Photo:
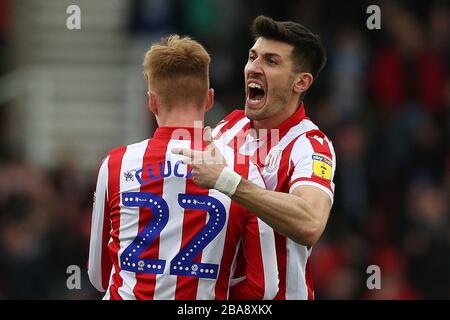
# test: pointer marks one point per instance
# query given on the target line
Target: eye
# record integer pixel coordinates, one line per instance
(251, 57)
(271, 61)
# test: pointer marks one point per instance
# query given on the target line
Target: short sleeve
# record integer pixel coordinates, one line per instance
(314, 162)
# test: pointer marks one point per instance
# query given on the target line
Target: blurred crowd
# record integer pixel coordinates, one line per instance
(384, 100)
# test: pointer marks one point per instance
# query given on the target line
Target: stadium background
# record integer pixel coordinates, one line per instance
(68, 96)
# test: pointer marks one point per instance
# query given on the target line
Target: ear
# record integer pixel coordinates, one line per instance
(303, 81)
(209, 99)
(153, 102)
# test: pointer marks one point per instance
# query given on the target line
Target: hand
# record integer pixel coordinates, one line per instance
(207, 164)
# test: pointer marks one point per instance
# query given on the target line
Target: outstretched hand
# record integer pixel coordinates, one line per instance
(207, 164)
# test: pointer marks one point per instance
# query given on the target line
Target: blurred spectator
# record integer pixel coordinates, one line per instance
(350, 143)
(4, 31)
(406, 70)
(348, 63)
(426, 240)
(153, 17)
(41, 230)
(439, 29)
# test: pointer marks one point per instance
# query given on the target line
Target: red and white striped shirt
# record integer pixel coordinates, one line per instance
(156, 235)
(294, 154)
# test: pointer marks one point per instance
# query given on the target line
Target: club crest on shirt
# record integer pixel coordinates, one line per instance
(128, 175)
(272, 162)
(322, 166)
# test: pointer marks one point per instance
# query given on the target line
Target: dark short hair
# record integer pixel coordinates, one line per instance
(308, 53)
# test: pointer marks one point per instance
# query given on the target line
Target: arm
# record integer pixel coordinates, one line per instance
(99, 264)
(301, 215)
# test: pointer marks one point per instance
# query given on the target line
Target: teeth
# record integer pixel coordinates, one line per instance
(254, 85)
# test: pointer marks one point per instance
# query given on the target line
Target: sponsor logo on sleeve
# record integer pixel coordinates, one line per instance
(322, 166)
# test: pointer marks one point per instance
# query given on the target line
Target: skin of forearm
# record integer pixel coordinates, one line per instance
(287, 214)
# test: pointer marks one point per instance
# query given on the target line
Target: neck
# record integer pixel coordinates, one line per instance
(181, 118)
(278, 118)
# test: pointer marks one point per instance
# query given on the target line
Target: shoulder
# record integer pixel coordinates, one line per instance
(320, 142)
(229, 122)
(118, 152)
(312, 140)
(234, 116)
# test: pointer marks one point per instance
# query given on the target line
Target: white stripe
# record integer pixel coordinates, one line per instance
(222, 142)
(269, 257)
(270, 179)
(228, 135)
(301, 156)
(171, 235)
(296, 131)
(129, 216)
(297, 256)
(217, 129)
(96, 237)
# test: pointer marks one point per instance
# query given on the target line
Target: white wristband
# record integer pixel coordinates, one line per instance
(227, 182)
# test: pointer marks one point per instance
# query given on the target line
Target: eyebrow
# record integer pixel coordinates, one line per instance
(267, 54)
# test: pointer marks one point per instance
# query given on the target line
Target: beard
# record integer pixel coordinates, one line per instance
(277, 99)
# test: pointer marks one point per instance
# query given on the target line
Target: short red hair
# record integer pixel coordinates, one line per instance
(177, 69)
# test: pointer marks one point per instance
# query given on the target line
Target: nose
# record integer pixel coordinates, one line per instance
(253, 67)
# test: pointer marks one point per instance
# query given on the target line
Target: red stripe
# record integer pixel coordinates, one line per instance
(317, 146)
(309, 280)
(233, 234)
(154, 154)
(324, 182)
(280, 245)
(193, 222)
(114, 167)
(271, 139)
(284, 172)
(235, 226)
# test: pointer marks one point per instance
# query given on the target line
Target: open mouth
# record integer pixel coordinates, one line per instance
(256, 93)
